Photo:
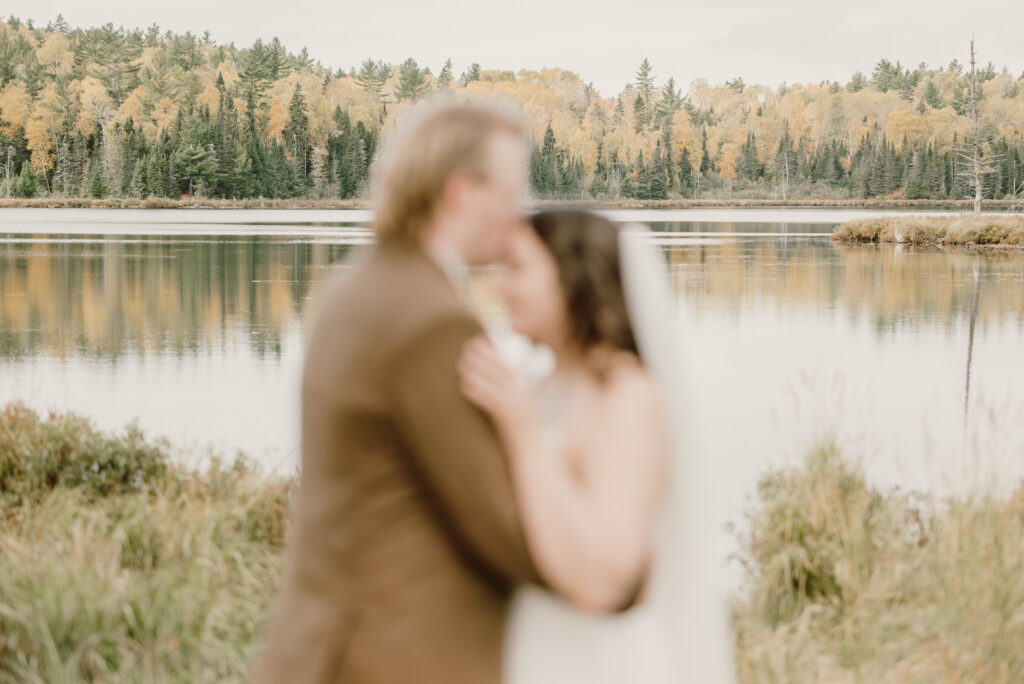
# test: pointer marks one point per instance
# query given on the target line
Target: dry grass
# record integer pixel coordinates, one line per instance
(966, 230)
(117, 565)
(849, 584)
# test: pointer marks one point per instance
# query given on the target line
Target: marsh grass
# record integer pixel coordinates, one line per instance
(966, 230)
(118, 565)
(850, 584)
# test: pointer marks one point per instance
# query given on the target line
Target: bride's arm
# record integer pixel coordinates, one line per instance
(589, 531)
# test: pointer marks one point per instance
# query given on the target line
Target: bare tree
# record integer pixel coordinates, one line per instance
(976, 162)
(1017, 198)
(7, 169)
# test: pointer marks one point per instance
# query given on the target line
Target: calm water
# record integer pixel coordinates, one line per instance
(193, 323)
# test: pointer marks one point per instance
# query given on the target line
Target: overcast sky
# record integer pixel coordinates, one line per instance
(762, 41)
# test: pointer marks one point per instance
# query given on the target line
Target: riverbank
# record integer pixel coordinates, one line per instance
(965, 230)
(298, 203)
(116, 564)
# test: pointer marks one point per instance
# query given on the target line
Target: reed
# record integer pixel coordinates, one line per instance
(964, 230)
(116, 564)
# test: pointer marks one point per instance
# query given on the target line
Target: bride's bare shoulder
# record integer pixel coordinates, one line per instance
(628, 381)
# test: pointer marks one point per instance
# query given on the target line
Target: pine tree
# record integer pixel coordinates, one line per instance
(655, 182)
(670, 102)
(470, 75)
(546, 178)
(668, 161)
(599, 183)
(94, 179)
(639, 113)
(645, 80)
(705, 158)
(857, 83)
(197, 165)
(412, 84)
(931, 95)
(444, 79)
(296, 133)
(685, 172)
(137, 186)
(27, 181)
(749, 166)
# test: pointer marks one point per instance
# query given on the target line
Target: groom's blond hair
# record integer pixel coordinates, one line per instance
(432, 141)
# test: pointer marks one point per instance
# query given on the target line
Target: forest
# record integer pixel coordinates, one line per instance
(111, 112)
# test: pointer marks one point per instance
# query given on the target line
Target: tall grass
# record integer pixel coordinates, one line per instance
(117, 565)
(850, 584)
(962, 230)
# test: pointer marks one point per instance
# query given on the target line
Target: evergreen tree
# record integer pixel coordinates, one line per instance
(470, 75)
(137, 186)
(599, 184)
(655, 182)
(195, 165)
(27, 181)
(645, 80)
(931, 95)
(412, 84)
(639, 113)
(686, 180)
(749, 166)
(94, 179)
(296, 133)
(705, 158)
(857, 83)
(545, 180)
(670, 102)
(668, 161)
(444, 79)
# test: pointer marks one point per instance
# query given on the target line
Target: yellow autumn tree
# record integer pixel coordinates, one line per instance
(56, 55)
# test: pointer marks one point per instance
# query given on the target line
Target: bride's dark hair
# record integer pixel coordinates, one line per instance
(586, 250)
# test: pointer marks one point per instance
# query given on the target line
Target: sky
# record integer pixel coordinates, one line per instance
(791, 41)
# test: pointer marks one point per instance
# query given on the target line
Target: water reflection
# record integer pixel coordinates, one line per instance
(201, 337)
(107, 298)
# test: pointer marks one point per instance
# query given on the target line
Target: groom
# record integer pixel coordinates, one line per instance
(406, 543)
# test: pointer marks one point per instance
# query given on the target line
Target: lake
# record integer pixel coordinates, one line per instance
(193, 322)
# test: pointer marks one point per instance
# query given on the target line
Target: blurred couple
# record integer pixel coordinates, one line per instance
(455, 521)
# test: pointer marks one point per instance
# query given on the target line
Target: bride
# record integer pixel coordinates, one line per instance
(609, 495)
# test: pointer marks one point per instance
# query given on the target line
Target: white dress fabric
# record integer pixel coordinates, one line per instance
(680, 632)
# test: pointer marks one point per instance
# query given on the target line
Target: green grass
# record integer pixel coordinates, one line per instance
(117, 565)
(967, 230)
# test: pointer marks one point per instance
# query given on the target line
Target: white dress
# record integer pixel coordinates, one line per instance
(680, 633)
(551, 641)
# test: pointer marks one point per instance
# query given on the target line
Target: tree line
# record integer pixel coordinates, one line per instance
(114, 112)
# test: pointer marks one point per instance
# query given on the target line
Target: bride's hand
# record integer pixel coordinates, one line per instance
(490, 384)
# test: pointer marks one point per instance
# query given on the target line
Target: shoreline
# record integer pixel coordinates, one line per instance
(299, 203)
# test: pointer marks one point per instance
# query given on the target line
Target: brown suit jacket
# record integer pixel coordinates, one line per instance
(406, 542)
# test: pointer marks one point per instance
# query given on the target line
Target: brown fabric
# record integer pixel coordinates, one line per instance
(406, 542)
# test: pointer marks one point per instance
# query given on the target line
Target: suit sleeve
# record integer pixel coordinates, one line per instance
(456, 449)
